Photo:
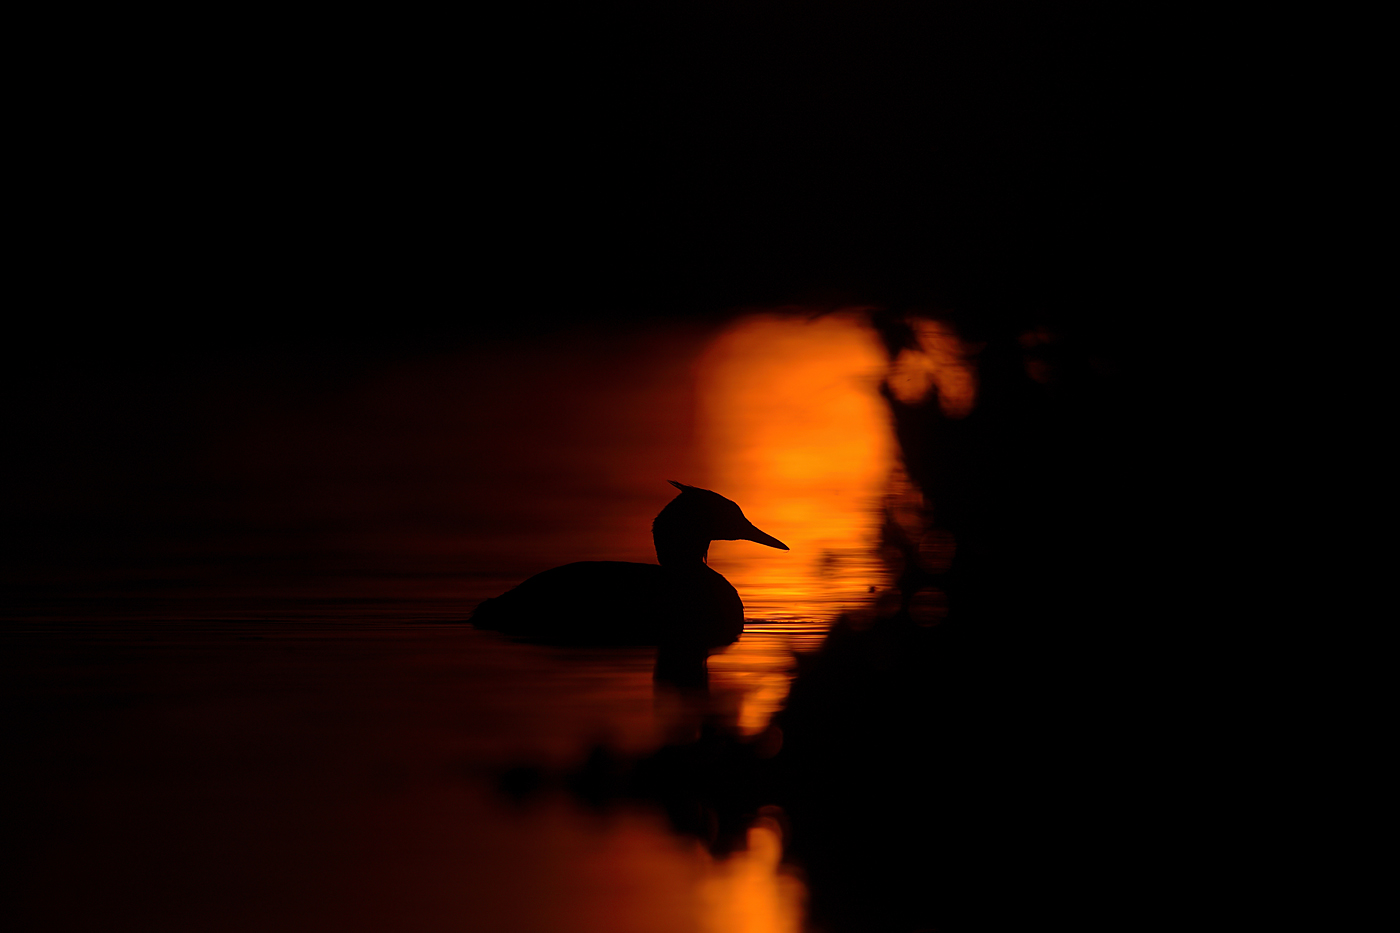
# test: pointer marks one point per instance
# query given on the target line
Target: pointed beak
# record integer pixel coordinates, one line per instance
(753, 534)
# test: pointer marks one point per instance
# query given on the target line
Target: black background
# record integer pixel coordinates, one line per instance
(286, 201)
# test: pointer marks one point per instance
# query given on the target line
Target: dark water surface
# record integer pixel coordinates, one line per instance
(335, 765)
(241, 697)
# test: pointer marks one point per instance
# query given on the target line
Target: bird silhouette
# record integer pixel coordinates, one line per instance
(679, 604)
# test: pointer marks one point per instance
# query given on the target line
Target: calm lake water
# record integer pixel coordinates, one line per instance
(337, 766)
(247, 701)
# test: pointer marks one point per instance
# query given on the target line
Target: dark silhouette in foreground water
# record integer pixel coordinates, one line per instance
(993, 768)
(680, 605)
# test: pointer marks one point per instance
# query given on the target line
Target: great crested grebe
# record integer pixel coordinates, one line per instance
(678, 604)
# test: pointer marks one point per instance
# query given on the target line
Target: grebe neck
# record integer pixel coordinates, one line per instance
(680, 550)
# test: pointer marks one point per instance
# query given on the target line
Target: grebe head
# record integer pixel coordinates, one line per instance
(701, 515)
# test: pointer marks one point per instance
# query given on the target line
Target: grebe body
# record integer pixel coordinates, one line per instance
(678, 603)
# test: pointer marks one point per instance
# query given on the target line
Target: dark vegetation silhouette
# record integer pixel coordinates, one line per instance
(984, 772)
(679, 604)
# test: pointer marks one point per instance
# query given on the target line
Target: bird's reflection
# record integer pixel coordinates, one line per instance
(710, 779)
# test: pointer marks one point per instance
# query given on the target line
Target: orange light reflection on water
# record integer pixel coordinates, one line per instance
(750, 892)
(626, 872)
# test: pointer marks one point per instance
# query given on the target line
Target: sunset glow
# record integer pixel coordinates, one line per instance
(791, 425)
